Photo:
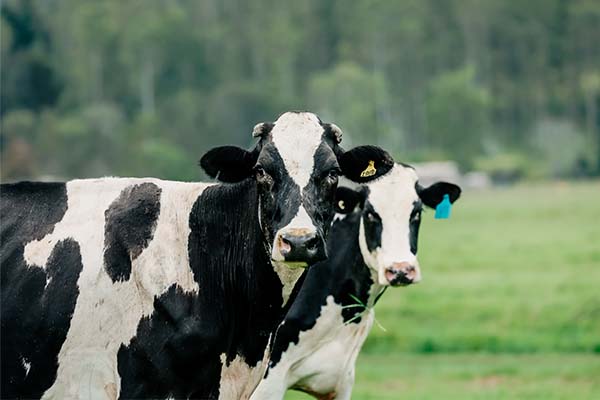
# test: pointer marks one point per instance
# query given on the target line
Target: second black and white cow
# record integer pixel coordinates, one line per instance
(372, 245)
(143, 288)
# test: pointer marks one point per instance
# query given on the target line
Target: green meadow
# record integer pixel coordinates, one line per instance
(509, 305)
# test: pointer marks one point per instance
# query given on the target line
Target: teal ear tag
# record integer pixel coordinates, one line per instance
(442, 211)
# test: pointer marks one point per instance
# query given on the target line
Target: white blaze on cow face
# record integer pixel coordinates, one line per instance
(296, 137)
(385, 230)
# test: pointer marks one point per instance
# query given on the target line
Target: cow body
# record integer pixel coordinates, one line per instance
(142, 288)
(372, 245)
(316, 346)
(131, 315)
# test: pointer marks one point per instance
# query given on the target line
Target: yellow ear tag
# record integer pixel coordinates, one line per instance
(341, 205)
(369, 171)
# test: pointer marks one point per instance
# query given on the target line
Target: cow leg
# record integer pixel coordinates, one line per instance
(344, 388)
(274, 386)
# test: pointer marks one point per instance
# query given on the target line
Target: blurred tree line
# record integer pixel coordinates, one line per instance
(144, 87)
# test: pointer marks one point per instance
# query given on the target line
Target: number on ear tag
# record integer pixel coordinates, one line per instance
(369, 171)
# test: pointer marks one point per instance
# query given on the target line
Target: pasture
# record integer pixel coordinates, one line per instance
(509, 305)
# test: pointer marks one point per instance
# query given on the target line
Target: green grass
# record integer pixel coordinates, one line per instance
(475, 376)
(514, 274)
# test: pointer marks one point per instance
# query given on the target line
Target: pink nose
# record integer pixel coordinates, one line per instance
(401, 274)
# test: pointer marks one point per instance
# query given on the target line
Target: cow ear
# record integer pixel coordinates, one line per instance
(262, 129)
(229, 163)
(347, 199)
(365, 163)
(434, 194)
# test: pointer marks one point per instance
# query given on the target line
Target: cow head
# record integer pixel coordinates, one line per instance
(296, 163)
(390, 215)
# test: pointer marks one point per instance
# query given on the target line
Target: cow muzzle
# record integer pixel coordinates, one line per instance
(299, 247)
(402, 274)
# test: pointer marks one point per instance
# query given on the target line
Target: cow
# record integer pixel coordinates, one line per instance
(145, 288)
(372, 245)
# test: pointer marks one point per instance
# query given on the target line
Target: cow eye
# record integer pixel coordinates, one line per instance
(261, 174)
(333, 175)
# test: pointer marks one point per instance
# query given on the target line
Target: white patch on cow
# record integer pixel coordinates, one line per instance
(297, 136)
(26, 364)
(107, 314)
(48, 280)
(392, 196)
(323, 359)
(238, 371)
(288, 275)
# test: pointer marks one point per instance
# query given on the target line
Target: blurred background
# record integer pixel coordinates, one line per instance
(503, 97)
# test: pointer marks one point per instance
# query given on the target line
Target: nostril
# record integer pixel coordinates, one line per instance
(285, 246)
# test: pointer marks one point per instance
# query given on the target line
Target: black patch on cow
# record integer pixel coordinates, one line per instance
(347, 199)
(176, 351)
(318, 195)
(432, 196)
(413, 226)
(356, 161)
(130, 223)
(373, 227)
(343, 276)
(229, 163)
(37, 303)
(281, 200)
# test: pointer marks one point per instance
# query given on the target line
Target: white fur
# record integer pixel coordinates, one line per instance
(26, 364)
(238, 380)
(392, 197)
(323, 360)
(297, 136)
(288, 275)
(107, 314)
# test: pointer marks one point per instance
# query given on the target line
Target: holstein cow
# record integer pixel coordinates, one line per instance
(143, 288)
(372, 245)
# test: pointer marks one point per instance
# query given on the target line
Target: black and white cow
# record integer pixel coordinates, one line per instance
(372, 245)
(144, 288)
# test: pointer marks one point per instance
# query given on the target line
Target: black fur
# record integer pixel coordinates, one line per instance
(229, 163)
(37, 303)
(434, 194)
(353, 162)
(176, 351)
(373, 227)
(130, 223)
(414, 225)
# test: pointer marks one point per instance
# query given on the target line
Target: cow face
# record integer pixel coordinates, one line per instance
(296, 165)
(390, 209)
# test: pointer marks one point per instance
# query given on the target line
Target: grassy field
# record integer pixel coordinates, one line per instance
(509, 307)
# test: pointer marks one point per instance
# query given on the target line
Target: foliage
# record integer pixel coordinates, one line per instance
(108, 84)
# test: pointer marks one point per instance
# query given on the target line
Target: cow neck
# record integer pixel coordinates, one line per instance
(230, 263)
(352, 282)
(343, 275)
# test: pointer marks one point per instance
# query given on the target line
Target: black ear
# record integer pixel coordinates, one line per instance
(229, 163)
(346, 199)
(434, 194)
(365, 163)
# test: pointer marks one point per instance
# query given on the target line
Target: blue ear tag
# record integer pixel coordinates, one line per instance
(442, 211)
